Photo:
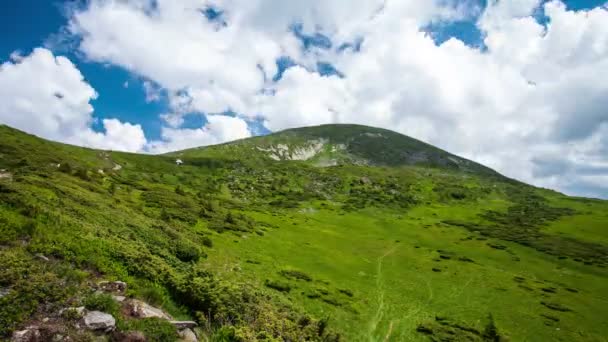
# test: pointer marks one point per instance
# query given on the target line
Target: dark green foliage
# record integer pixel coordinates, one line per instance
(207, 242)
(101, 302)
(278, 285)
(187, 252)
(347, 292)
(490, 332)
(31, 284)
(523, 222)
(65, 168)
(154, 329)
(556, 306)
(82, 174)
(445, 329)
(295, 274)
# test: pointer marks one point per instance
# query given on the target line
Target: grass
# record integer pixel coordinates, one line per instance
(253, 248)
(346, 251)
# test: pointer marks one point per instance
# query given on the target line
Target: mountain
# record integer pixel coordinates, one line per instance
(335, 232)
(331, 145)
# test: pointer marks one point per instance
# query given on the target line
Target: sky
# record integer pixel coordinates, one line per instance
(520, 85)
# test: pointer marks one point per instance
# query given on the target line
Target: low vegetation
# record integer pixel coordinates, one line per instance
(392, 240)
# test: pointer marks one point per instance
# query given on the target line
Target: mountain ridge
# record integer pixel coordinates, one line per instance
(334, 144)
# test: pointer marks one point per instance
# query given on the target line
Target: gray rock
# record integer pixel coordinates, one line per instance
(119, 299)
(4, 292)
(144, 310)
(184, 324)
(187, 335)
(27, 335)
(97, 320)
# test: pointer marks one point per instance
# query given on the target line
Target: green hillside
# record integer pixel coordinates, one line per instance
(329, 233)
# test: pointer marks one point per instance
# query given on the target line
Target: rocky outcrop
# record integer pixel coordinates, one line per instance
(113, 286)
(140, 309)
(304, 152)
(99, 321)
(187, 335)
(27, 335)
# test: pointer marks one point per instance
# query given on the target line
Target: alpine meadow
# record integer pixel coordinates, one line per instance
(325, 233)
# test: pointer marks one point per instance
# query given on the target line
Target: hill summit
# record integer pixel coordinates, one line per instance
(337, 144)
(328, 233)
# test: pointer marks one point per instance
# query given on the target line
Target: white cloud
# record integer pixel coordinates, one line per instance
(47, 96)
(218, 129)
(536, 94)
(153, 91)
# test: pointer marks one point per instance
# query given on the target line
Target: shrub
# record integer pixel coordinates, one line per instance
(101, 302)
(187, 252)
(83, 174)
(278, 285)
(207, 242)
(65, 168)
(346, 292)
(490, 333)
(155, 329)
(295, 274)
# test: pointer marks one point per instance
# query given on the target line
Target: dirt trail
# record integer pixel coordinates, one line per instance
(373, 326)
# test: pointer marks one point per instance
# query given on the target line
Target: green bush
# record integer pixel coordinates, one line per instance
(295, 274)
(207, 242)
(278, 285)
(155, 329)
(101, 302)
(187, 251)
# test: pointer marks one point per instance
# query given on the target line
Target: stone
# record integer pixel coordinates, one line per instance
(42, 257)
(4, 292)
(141, 309)
(27, 335)
(97, 320)
(5, 175)
(113, 286)
(184, 324)
(187, 335)
(119, 299)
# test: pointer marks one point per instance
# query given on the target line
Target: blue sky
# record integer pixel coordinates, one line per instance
(32, 22)
(292, 64)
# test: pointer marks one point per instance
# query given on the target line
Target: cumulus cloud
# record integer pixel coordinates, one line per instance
(530, 103)
(48, 96)
(218, 129)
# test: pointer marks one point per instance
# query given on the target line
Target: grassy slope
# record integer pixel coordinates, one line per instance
(377, 240)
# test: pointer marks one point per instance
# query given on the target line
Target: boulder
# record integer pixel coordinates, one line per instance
(187, 335)
(140, 309)
(97, 320)
(27, 335)
(184, 324)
